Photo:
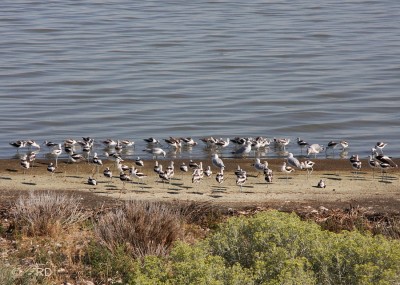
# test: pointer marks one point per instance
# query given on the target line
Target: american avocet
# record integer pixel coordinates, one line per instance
(302, 144)
(92, 181)
(321, 184)
(222, 143)
(24, 163)
(308, 165)
(189, 141)
(268, 175)
(240, 180)
(109, 143)
(32, 143)
(287, 169)
(51, 168)
(220, 177)
(152, 140)
(107, 173)
(18, 144)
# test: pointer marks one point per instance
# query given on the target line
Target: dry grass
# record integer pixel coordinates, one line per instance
(47, 213)
(143, 228)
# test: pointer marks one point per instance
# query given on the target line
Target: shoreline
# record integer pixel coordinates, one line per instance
(344, 188)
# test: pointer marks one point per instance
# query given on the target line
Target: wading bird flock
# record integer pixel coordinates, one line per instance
(241, 147)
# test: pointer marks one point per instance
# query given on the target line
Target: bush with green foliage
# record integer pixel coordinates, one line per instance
(274, 248)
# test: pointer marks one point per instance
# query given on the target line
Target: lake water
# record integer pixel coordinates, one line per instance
(319, 70)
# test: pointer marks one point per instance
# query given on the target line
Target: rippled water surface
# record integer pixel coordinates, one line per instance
(320, 70)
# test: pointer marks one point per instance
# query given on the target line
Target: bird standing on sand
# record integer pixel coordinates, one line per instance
(217, 162)
(321, 184)
(287, 169)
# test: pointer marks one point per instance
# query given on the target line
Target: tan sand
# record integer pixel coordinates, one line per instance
(343, 186)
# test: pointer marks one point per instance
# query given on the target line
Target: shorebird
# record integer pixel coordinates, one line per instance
(260, 167)
(139, 162)
(240, 180)
(155, 152)
(294, 162)
(124, 178)
(314, 149)
(355, 164)
(50, 144)
(302, 144)
(344, 145)
(220, 176)
(244, 149)
(51, 168)
(32, 143)
(18, 144)
(268, 175)
(287, 169)
(174, 142)
(127, 143)
(331, 145)
(109, 143)
(321, 184)
(373, 164)
(152, 141)
(281, 143)
(107, 173)
(183, 167)
(24, 163)
(92, 181)
(379, 146)
(208, 171)
(309, 166)
(223, 143)
(188, 142)
(217, 162)
(139, 176)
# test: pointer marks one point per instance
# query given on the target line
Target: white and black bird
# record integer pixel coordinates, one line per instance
(18, 144)
(220, 177)
(286, 169)
(92, 181)
(51, 168)
(321, 184)
(302, 144)
(308, 165)
(260, 167)
(240, 181)
(268, 175)
(24, 163)
(107, 173)
(243, 150)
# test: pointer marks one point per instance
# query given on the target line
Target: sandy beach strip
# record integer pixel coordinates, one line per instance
(343, 185)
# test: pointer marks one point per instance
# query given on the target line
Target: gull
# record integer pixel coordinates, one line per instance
(314, 149)
(217, 162)
(260, 167)
(294, 162)
(244, 149)
(155, 152)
